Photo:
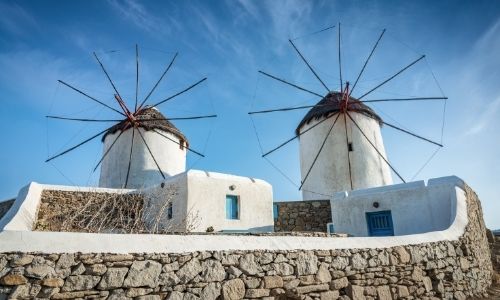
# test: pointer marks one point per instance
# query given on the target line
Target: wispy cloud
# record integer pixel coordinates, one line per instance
(15, 19)
(32, 74)
(484, 119)
(483, 68)
(287, 17)
(136, 13)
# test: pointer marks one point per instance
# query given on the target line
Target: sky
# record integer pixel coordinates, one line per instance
(228, 42)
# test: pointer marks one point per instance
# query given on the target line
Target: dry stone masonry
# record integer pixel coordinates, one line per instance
(439, 270)
(303, 216)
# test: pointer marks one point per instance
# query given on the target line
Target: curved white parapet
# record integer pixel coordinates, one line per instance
(411, 207)
(15, 237)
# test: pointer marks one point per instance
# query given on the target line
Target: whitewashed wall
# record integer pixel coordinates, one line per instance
(143, 171)
(415, 207)
(203, 195)
(19, 239)
(330, 173)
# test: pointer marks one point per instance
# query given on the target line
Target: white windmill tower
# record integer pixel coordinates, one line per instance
(351, 158)
(130, 162)
(143, 147)
(341, 146)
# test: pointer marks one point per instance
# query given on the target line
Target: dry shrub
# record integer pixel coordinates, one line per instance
(75, 211)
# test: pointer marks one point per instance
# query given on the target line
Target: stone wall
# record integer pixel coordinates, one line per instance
(448, 269)
(79, 211)
(303, 216)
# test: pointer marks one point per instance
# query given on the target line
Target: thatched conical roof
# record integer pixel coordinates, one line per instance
(156, 121)
(330, 104)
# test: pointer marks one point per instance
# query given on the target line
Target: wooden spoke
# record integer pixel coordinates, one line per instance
(130, 158)
(109, 149)
(107, 75)
(158, 82)
(151, 153)
(78, 145)
(189, 149)
(392, 77)
(340, 65)
(406, 99)
(366, 61)
(412, 134)
(348, 150)
(291, 84)
(309, 66)
(136, 75)
(90, 97)
(374, 147)
(293, 138)
(285, 109)
(179, 93)
(319, 152)
(83, 120)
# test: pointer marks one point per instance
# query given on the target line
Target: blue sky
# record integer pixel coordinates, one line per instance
(228, 41)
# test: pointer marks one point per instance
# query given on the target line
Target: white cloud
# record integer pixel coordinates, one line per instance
(136, 13)
(287, 17)
(481, 71)
(15, 19)
(483, 120)
(32, 74)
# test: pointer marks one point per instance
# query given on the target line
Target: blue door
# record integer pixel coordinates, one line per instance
(380, 223)
(232, 207)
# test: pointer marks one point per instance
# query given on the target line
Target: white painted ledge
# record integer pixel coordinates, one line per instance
(13, 240)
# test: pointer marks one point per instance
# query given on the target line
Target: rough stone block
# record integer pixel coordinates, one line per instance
(311, 288)
(113, 278)
(307, 263)
(143, 273)
(340, 283)
(355, 292)
(256, 293)
(384, 293)
(233, 289)
(80, 283)
(329, 295)
(53, 282)
(189, 270)
(271, 282)
(13, 279)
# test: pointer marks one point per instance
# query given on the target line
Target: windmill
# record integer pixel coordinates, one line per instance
(341, 146)
(142, 146)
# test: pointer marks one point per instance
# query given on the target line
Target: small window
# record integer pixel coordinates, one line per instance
(275, 211)
(170, 211)
(232, 207)
(349, 147)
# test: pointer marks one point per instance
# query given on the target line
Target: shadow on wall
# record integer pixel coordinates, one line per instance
(5, 206)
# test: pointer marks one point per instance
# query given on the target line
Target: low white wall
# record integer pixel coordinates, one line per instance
(50, 242)
(207, 195)
(22, 215)
(415, 207)
(201, 201)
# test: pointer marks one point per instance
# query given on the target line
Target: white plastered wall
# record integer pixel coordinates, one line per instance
(14, 239)
(143, 170)
(415, 207)
(330, 173)
(201, 200)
